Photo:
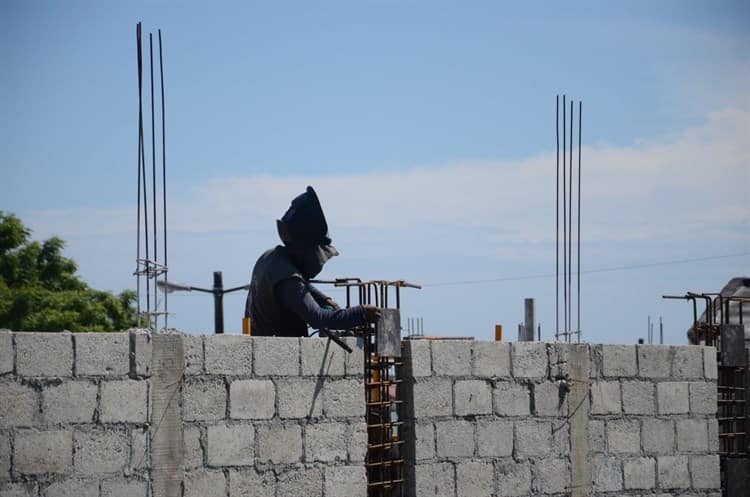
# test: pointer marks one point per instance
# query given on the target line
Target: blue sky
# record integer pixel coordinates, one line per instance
(427, 129)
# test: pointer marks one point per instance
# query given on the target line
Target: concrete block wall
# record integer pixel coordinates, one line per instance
(525, 418)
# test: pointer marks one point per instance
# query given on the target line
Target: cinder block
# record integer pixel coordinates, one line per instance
(672, 472)
(491, 359)
(205, 483)
(640, 473)
(687, 362)
(511, 399)
(38, 452)
(300, 397)
(5, 456)
(72, 487)
(475, 479)
(250, 483)
(434, 480)
(418, 355)
(322, 357)
(472, 397)
(122, 487)
(597, 436)
(98, 452)
(455, 438)
(325, 442)
(280, 444)
(102, 354)
(618, 360)
(140, 453)
(703, 398)
(230, 445)
(654, 361)
(140, 353)
(528, 360)
(44, 354)
(607, 472)
(605, 397)
(345, 481)
(713, 435)
(552, 476)
(624, 436)
(230, 355)
(355, 362)
(451, 357)
(204, 399)
(433, 397)
(704, 471)
(513, 479)
(560, 438)
(357, 441)
(658, 436)
(672, 397)
(252, 399)
(638, 397)
(23, 409)
(6, 352)
(494, 438)
(307, 482)
(193, 452)
(710, 366)
(424, 441)
(69, 402)
(8, 489)
(550, 399)
(533, 439)
(344, 398)
(124, 401)
(193, 346)
(276, 356)
(692, 435)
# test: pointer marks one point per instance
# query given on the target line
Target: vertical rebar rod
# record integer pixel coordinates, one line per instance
(145, 210)
(138, 230)
(578, 238)
(557, 218)
(570, 226)
(565, 230)
(164, 177)
(153, 176)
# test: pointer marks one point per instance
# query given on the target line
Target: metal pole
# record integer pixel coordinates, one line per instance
(661, 331)
(218, 303)
(565, 229)
(578, 238)
(164, 176)
(570, 225)
(557, 220)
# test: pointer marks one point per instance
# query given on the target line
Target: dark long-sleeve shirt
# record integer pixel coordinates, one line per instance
(307, 302)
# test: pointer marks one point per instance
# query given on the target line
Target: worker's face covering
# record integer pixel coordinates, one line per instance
(312, 259)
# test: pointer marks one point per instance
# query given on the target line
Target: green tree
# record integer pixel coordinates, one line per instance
(39, 290)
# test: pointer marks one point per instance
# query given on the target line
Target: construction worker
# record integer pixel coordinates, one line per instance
(281, 301)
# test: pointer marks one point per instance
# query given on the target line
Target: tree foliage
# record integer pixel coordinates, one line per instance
(39, 290)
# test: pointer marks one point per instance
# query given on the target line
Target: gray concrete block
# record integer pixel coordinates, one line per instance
(551, 476)
(140, 353)
(276, 356)
(605, 397)
(490, 359)
(23, 410)
(672, 397)
(280, 444)
(513, 479)
(344, 398)
(528, 359)
(424, 441)
(639, 397)
(250, 483)
(418, 355)
(434, 480)
(102, 354)
(597, 436)
(7, 353)
(624, 436)
(5, 452)
(618, 360)
(193, 451)
(300, 397)
(37, 452)
(140, 448)
(704, 472)
(713, 435)
(511, 399)
(560, 438)
(692, 435)
(710, 365)
(205, 483)
(325, 442)
(550, 399)
(230, 355)
(472, 397)
(322, 357)
(355, 362)
(433, 397)
(8, 489)
(230, 445)
(44, 354)
(124, 487)
(204, 399)
(560, 358)
(607, 473)
(455, 438)
(533, 438)
(98, 452)
(451, 357)
(69, 402)
(658, 436)
(252, 399)
(494, 438)
(703, 398)
(687, 362)
(357, 441)
(124, 401)
(654, 361)
(475, 479)
(194, 356)
(345, 481)
(295, 483)
(672, 472)
(640, 473)
(72, 487)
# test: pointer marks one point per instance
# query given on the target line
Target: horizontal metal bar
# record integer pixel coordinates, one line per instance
(385, 445)
(386, 425)
(385, 463)
(385, 483)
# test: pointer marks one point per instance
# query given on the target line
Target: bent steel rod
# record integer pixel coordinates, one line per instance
(138, 230)
(557, 218)
(164, 176)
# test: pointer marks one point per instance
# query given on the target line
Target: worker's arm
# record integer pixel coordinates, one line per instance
(321, 298)
(295, 295)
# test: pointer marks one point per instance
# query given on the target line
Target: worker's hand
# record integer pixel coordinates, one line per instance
(333, 304)
(372, 313)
